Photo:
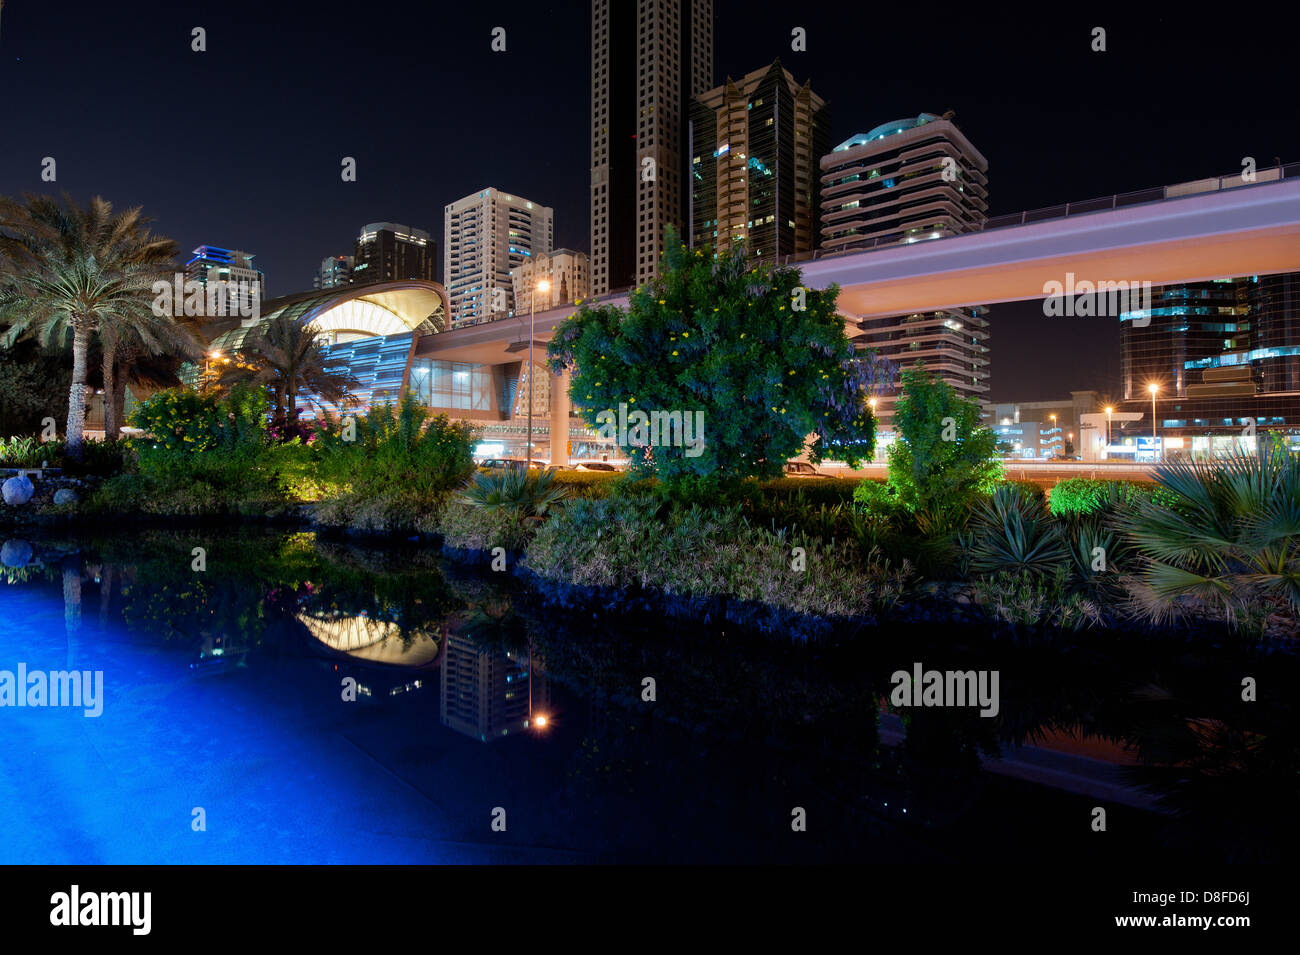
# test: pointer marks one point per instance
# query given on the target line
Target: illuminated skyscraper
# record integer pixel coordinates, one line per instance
(485, 235)
(386, 251)
(754, 148)
(649, 58)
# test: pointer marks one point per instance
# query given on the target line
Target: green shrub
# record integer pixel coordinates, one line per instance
(466, 527)
(402, 447)
(29, 452)
(1081, 497)
(812, 491)
(183, 420)
(943, 458)
(1012, 532)
(243, 480)
(392, 512)
(877, 497)
(587, 483)
(1034, 601)
(622, 543)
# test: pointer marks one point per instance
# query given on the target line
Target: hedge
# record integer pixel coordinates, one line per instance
(1078, 497)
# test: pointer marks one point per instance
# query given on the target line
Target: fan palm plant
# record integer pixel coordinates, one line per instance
(527, 493)
(81, 272)
(1230, 543)
(284, 354)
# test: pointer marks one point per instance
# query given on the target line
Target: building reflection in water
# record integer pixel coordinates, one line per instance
(489, 694)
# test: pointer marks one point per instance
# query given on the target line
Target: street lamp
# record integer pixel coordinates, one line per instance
(207, 366)
(542, 286)
(1109, 409)
(1153, 388)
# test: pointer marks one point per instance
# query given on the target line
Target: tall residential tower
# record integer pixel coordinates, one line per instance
(907, 181)
(649, 58)
(755, 147)
(485, 235)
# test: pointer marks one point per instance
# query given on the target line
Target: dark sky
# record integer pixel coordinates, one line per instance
(241, 146)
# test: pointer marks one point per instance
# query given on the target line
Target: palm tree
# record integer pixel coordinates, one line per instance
(284, 354)
(84, 271)
(1230, 542)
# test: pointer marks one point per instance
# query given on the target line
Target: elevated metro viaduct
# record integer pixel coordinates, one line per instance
(1229, 232)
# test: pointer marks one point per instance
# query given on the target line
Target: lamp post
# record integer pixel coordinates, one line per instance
(542, 286)
(207, 368)
(1153, 388)
(1053, 417)
(1109, 409)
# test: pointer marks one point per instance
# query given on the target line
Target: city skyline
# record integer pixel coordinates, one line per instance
(285, 199)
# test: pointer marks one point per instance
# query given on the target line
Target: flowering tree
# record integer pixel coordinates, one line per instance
(760, 361)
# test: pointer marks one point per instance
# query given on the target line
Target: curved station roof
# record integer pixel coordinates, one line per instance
(374, 641)
(353, 312)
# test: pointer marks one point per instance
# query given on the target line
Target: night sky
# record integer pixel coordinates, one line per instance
(241, 146)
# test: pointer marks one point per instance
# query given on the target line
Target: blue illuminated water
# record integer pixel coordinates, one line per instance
(223, 691)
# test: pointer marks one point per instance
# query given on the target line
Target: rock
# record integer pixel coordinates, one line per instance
(18, 491)
(16, 553)
(65, 495)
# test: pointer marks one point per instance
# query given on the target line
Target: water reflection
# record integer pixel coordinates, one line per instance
(735, 724)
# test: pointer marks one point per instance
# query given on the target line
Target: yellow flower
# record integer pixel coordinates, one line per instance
(686, 334)
(674, 351)
(661, 301)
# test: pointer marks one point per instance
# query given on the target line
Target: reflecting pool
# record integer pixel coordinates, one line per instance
(280, 697)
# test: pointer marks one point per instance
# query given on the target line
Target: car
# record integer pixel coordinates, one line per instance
(501, 464)
(595, 466)
(801, 469)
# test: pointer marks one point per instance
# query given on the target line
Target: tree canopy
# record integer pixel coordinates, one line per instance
(760, 361)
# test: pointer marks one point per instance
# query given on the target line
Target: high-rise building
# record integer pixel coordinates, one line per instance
(489, 693)
(1224, 357)
(904, 181)
(567, 271)
(649, 58)
(387, 251)
(907, 181)
(755, 146)
(1186, 326)
(334, 271)
(951, 344)
(244, 282)
(485, 236)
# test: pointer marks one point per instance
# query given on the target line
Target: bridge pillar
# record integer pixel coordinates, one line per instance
(559, 413)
